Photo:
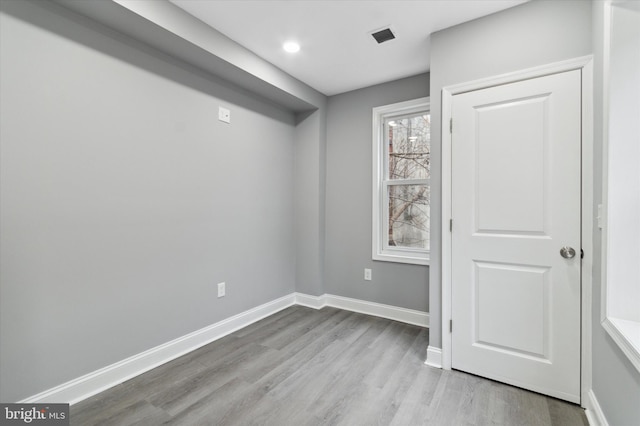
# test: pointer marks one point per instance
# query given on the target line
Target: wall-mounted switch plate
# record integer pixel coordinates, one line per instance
(367, 274)
(224, 115)
(600, 218)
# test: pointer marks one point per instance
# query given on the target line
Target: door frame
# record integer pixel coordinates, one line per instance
(585, 65)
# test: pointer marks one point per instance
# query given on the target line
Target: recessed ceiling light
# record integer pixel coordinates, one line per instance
(291, 47)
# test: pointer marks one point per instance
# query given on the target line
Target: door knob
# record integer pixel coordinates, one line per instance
(567, 252)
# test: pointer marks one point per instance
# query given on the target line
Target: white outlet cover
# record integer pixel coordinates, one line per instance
(600, 218)
(367, 274)
(224, 115)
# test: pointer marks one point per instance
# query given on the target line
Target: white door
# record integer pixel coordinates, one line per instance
(515, 205)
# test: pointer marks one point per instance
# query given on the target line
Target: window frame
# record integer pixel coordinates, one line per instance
(623, 328)
(380, 205)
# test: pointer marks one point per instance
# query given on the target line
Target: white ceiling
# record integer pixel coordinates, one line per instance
(337, 52)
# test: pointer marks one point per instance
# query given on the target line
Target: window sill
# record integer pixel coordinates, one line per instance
(397, 258)
(626, 334)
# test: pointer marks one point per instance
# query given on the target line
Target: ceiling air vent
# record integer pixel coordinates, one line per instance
(383, 35)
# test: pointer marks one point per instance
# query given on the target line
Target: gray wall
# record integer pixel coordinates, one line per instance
(348, 201)
(528, 35)
(124, 201)
(309, 200)
(616, 382)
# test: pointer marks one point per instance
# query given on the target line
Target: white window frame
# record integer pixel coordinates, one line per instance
(381, 249)
(618, 290)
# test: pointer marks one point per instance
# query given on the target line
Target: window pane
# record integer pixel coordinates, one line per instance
(408, 147)
(409, 216)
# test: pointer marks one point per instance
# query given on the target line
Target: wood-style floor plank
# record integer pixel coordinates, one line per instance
(318, 367)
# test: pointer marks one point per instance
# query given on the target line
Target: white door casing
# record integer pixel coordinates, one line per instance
(516, 200)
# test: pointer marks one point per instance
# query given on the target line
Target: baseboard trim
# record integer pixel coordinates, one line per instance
(100, 380)
(395, 313)
(593, 411)
(315, 302)
(434, 357)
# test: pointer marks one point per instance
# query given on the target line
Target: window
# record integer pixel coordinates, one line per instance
(401, 172)
(621, 193)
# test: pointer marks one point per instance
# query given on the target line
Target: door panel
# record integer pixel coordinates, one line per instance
(526, 332)
(500, 155)
(515, 204)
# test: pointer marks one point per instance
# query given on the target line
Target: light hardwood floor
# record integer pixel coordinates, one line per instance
(328, 367)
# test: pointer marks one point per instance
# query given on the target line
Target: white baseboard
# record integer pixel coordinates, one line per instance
(434, 357)
(594, 413)
(90, 384)
(395, 313)
(100, 380)
(315, 302)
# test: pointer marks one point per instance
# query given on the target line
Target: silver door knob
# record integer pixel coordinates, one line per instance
(567, 252)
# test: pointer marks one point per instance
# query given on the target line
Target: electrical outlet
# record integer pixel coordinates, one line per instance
(224, 115)
(221, 289)
(367, 274)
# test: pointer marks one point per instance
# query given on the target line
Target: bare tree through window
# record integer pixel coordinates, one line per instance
(408, 173)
